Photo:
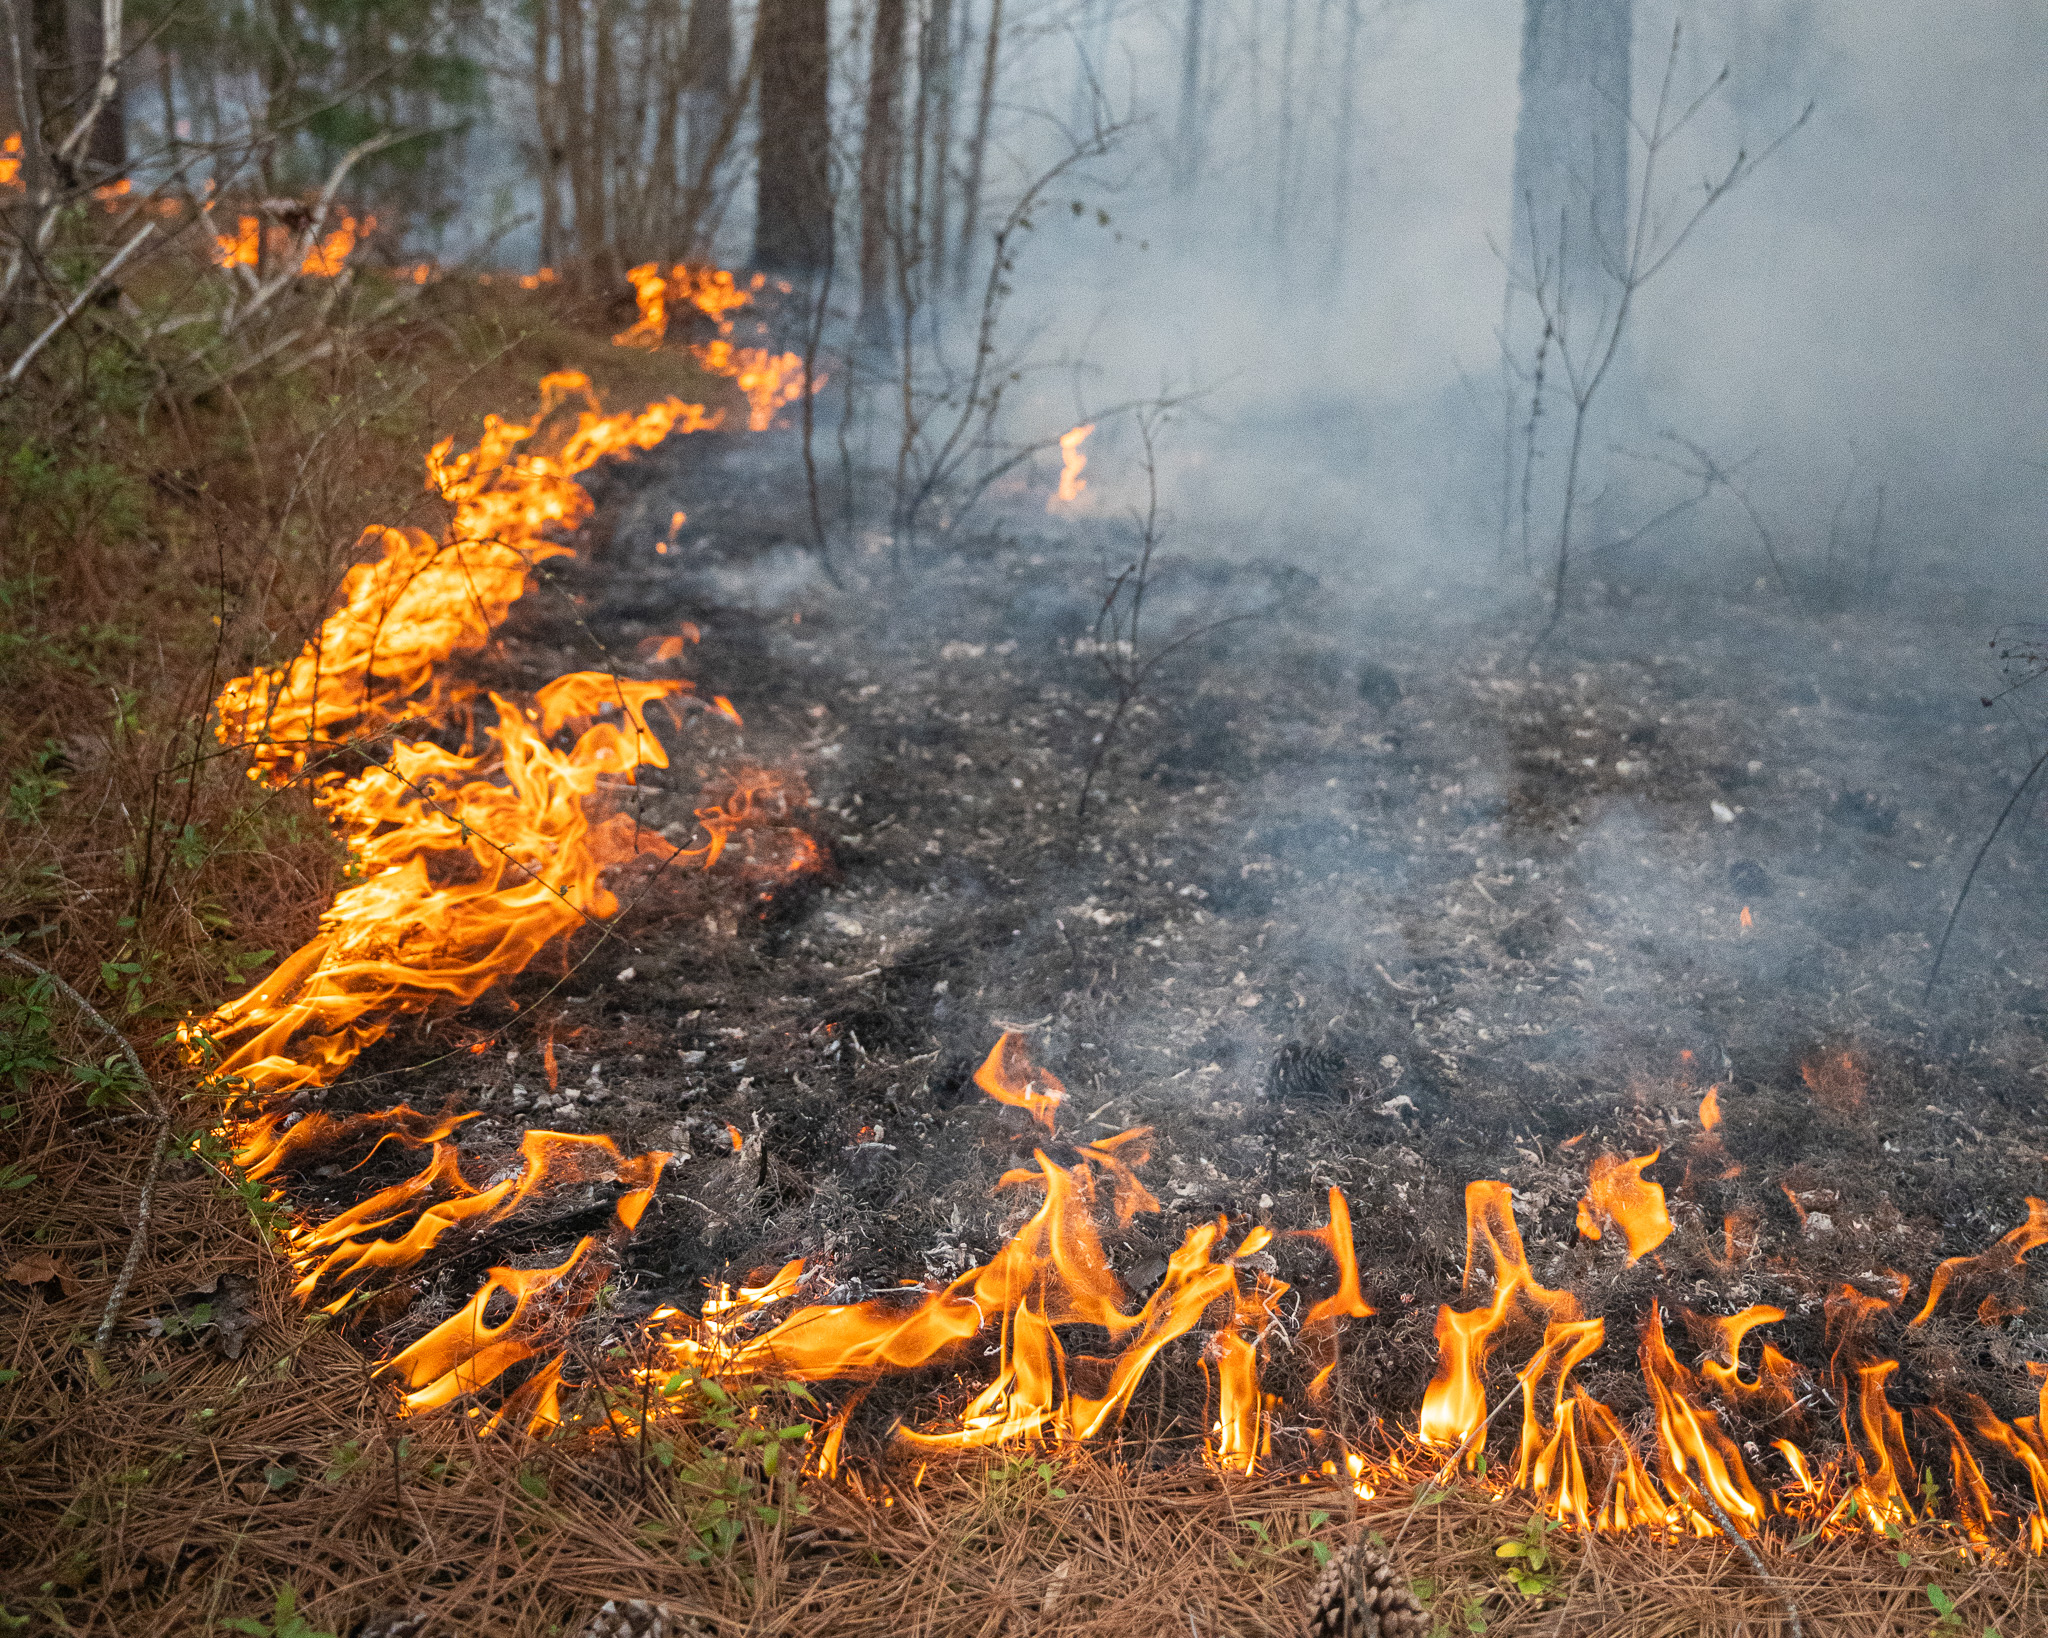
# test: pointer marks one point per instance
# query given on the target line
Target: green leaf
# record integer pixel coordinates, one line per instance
(7, 1376)
(1944, 1606)
(278, 1478)
(1511, 1549)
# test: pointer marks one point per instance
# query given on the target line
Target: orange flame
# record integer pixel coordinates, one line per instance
(2005, 1256)
(1579, 1452)
(243, 247)
(1454, 1405)
(326, 259)
(1619, 1195)
(1694, 1456)
(1347, 1301)
(1710, 1108)
(1072, 463)
(770, 380)
(1009, 1076)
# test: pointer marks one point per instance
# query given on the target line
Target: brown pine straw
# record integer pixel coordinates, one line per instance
(135, 1502)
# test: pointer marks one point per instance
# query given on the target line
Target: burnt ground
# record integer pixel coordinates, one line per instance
(1367, 900)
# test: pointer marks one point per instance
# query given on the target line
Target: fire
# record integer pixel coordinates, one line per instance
(471, 861)
(1579, 1451)
(326, 259)
(1072, 463)
(1053, 1271)
(425, 600)
(2002, 1258)
(1696, 1459)
(1009, 1076)
(10, 160)
(1618, 1195)
(243, 247)
(770, 380)
(1454, 1406)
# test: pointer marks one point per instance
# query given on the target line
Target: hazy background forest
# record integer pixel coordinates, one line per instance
(1305, 213)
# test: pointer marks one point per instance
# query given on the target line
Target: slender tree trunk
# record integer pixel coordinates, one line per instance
(1347, 117)
(604, 124)
(936, 91)
(574, 101)
(879, 153)
(1187, 157)
(977, 147)
(1571, 189)
(106, 147)
(547, 119)
(25, 93)
(669, 64)
(793, 210)
(1283, 161)
(707, 76)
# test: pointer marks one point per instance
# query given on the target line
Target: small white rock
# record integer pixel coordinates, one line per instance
(1819, 1222)
(844, 926)
(1723, 812)
(627, 975)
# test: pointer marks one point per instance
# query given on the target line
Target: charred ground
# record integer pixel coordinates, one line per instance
(1366, 899)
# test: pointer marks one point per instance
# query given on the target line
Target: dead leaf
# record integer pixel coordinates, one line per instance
(221, 1307)
(39, 1266)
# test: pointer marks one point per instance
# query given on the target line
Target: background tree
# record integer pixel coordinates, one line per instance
(1570, 212)
(793, 191)
(881, 148)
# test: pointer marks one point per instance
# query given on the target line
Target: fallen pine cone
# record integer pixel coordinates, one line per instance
(1360, 1596)
(637, 1618)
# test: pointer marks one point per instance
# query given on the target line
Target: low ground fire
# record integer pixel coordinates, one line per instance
(485, 825)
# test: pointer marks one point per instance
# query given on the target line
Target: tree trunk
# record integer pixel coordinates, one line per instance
(610, 176)
(547, 120)
(1347, 98)
(880, 149)
(977, 147)
(793, 212)
(1187, 157)
(935, 89)
(1283, 163)
(707, 77)
(1571, 205)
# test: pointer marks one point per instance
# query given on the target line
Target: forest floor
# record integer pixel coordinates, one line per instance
(1363, 897)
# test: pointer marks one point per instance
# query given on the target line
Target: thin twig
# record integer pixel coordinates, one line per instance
(129, 1264)
(77, 306)
(1977, 864)
(1756, 1560)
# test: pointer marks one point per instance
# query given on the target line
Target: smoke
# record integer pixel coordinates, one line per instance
(1864, 313)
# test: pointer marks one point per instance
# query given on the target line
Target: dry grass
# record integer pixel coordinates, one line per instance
(166, 1488)
(152, 1498)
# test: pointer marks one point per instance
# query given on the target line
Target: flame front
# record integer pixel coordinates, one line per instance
(771, 381)
(471, 861)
